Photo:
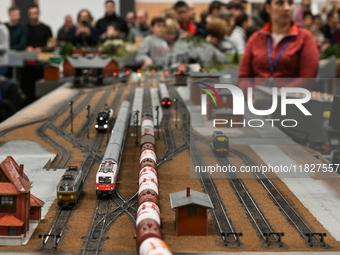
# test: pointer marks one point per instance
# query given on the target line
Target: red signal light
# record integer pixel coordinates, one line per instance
(153, 70)
(169, 102)
(163, 103)
(30, 62)
(166, 72)
(127, 72)
(138, 70)
(178, 72)
(114, 74)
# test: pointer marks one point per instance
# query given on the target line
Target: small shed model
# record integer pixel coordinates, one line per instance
(51, 72)
(191, 212)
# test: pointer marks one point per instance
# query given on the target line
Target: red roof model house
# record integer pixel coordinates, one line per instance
(17, 205)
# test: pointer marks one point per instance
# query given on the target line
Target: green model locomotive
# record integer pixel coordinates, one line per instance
(220, 143)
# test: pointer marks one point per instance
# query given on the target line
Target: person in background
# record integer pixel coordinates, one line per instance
(39, 35)
(131, 19)
(133, 27)
(142, 22)
(154, 47)
(228, 16)
(218, 31)
(308, 20)
(169, 14)
(171, 31)
(17, 31)
(192, 12)
(257, 21)
(112, 32)
(318, 22)
(84, 34)
(329, 28)
(10, 98)
(4, 47)
(294, 51)
(109, 18)
(304, 7)
(201, 26)
(214, 8)
(238, 36)
(62, 32)
(236, 8)
(184, 21)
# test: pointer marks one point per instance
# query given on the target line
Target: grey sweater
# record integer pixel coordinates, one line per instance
(4, 45)
(155, 48)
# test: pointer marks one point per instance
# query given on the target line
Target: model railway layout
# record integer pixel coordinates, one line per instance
(100, 176)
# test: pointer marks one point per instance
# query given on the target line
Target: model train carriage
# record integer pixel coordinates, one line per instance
(106, 178)
(103, 119)
(220, 143)
(70, 187)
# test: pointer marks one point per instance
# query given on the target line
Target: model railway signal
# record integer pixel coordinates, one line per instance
(71, 112)
(88, 120)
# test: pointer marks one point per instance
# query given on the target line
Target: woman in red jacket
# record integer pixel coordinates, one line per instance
(280, 49)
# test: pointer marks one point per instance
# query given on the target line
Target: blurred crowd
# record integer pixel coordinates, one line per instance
(277, 38)
(227, 26)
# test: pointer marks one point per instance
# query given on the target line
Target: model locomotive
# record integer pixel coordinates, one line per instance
(103, 119)
(70, 187)
(164, 94)
(220, 143)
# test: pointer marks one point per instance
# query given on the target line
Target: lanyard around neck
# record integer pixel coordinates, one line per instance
(273, 66)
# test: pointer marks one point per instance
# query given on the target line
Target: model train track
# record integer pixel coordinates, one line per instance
(57, 229)
(107, 212)
(290, 213)
(224, 224)
(8, 130)
(96, 143)
(80, 107)
(64, 155)
(171, 149)
(146, 96)
(254, 212)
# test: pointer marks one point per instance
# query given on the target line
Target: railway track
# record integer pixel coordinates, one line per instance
(96, 143)
(64, 155)
(255, 214)
(146, 96)
(279, 200)
(258, 219)
(107, 212)
(57, 229)
(171, 149)
(224, 224)
(80, 107)
(112, 208)
(290, 213)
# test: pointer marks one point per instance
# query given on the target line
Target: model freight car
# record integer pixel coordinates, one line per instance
(70, 187)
